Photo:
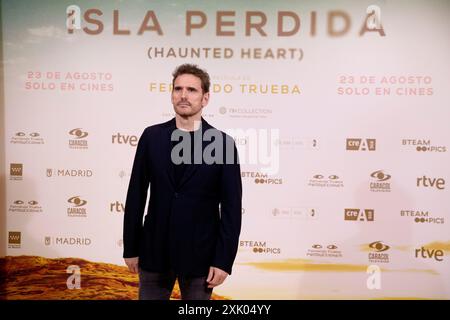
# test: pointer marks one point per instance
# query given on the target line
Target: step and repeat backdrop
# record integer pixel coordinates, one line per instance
(340, 111)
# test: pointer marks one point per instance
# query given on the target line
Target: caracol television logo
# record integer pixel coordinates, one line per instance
(16, 171)
(359, 214)
(378, 252)
(423, 145)
(258, 247)
(27, 138)
(358, 144)
(326, 181)
(20, 206)
(14, 239)
(324, 251)
(77, 140)
(77, 208)
(422, 217)
(261, 178)
(380, 181)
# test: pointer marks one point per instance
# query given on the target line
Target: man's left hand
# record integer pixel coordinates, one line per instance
(216, 277)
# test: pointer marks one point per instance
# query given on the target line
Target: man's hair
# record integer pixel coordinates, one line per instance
(193, 69)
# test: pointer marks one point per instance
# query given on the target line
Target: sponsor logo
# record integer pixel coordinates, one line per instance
(16, 171)
(259, 247)
(14, 239)
(359, 214)
(328, 251)
(30, 138)
(357, 144)
(78, 141)
(380, 181)
(21, 206)
(378, 254)
(326, 181)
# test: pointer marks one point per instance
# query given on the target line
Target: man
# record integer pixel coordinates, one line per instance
(193, 221)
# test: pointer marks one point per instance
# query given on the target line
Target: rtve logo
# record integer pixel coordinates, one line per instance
(425, 253)
(359, 214)
(116, 207)
(356, 144)
(426, 182)
(125, 139)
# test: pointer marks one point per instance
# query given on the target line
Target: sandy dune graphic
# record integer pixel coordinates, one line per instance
(39, 278)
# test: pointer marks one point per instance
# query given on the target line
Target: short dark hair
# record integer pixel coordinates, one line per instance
(193, 69)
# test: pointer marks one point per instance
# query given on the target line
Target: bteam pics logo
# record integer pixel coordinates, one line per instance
(259, 247)
(358, 144)
(423, 145)
(261, 178)
(359, 215)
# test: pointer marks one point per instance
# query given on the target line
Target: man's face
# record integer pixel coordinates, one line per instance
(188, 98)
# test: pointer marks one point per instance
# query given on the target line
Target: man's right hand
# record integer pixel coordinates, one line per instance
(132, 264)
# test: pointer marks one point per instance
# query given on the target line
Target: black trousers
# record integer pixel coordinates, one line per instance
(159, 286)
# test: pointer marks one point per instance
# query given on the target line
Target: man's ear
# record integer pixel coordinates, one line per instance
(205, 99)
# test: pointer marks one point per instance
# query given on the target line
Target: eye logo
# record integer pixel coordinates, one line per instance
(78, 133)
(317, 246)
(18, 202)
(380, 175)
(77, 201)
(331, 247)
(379, 246)
(331, 177)
(32, 203)
(20, 134)
(34, 134)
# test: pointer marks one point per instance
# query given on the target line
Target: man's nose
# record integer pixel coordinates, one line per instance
(184, 93)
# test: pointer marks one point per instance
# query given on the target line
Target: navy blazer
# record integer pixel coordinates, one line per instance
(188, 227)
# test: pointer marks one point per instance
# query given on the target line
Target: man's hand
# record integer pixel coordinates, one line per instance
(132, 264)
(216, 277)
